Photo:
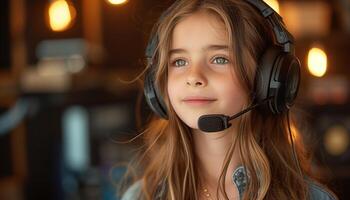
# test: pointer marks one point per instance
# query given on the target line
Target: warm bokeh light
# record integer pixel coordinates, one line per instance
(307, 19)
(274, 5)
(117, 2)
(336, 140)
(317, 62)
(60, 15)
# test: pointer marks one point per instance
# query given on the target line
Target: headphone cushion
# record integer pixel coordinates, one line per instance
(278, 76)
(264, 73)
(289, 77)
(153, 97)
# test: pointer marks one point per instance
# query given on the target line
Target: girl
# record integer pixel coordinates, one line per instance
(221, 57)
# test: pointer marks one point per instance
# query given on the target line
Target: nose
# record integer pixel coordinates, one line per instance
(196, 77)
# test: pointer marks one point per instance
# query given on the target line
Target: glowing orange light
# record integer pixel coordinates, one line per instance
(117, 2)
(317, 62)
(273, 4)
(61, 15)
(336, 140)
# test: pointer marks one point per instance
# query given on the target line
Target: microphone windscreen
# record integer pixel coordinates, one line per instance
(213, 123)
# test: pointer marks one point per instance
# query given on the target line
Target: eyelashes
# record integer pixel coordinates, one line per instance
(179, 63)
(219, 60)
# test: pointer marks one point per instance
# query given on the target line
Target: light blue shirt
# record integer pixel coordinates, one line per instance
(240, 178)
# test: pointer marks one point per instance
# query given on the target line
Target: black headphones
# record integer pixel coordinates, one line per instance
(277, 77)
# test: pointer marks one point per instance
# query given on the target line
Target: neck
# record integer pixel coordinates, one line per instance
(211, 149)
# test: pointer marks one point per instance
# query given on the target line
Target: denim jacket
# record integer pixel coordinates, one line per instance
(240, 178)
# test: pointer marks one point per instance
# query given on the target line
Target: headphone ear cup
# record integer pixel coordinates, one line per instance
(278, 76)
(263, 78)
(288, 74)
(152, 95)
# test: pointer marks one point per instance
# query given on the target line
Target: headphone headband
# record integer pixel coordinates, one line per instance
(282, 36)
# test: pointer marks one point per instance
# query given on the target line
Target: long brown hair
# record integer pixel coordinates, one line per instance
(263, 140)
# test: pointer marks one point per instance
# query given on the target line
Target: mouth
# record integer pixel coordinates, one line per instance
(198, 100)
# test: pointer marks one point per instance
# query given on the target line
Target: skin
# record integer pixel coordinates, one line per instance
(200, 65)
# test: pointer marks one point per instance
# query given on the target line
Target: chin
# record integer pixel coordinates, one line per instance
(190, 122)
(193, 125)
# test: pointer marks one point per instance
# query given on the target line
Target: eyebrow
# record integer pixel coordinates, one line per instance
(207, 48)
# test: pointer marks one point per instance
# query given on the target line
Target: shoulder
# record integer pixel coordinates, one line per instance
(133, 192)
(319, 192)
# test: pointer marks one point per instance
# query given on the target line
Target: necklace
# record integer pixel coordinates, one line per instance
(207, 194)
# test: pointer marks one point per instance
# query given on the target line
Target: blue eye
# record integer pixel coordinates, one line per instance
(179, 63)
(220, 60)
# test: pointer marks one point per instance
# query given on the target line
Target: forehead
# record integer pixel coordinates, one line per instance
(201, 28)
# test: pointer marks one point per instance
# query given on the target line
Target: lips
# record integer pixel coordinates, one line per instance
(198, 100)
(195, 98)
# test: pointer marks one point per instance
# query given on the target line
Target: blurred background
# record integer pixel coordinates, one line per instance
(65, 100)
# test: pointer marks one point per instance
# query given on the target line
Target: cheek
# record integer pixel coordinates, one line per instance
(233, 95)
(172, 90)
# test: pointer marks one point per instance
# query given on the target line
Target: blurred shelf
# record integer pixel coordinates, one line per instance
(114, 81)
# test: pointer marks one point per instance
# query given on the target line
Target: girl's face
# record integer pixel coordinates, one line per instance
(201, 76)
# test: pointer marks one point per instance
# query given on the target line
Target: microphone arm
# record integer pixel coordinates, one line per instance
(248, 109)
(220, 122)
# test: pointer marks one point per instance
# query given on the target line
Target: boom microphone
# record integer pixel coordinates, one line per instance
(220, 122)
